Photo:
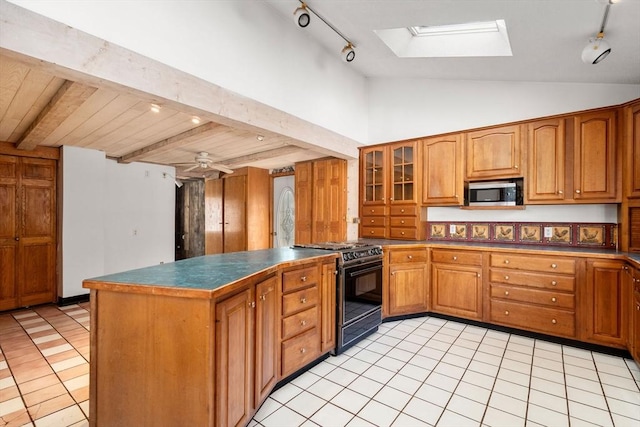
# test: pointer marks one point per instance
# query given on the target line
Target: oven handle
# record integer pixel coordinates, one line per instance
(357, 273)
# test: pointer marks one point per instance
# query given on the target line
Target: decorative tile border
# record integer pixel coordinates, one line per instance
(599, 235)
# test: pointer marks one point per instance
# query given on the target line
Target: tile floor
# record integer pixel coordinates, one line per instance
(415, 372)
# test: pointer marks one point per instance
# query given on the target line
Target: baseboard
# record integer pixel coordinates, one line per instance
(72, 300)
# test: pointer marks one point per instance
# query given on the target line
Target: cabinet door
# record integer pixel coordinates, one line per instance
(442, 171)
(303, 201)
(605, 317)
(456, 290)
(328, 307)
(213, 203)
(234, 360)
(635, 341)
(632, 156)
(373, 176)
(494, 153)
(546, 156)
(267, 320)
(408, 289)
(595, 172)
(329, 200)
(403, 173)
(235, 198)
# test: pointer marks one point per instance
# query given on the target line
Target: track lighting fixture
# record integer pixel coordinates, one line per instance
(597, 49)
(302, 16)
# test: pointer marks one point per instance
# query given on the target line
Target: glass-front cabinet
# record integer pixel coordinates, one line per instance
(374, 179)
(403, 173)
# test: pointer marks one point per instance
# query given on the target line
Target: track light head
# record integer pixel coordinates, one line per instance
(596, 50)
(301, 16)
(348, 54)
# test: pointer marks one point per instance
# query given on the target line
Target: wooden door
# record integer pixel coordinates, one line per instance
(27, 231)
(213, 208)
(632, 157)
(456, 290)
(403, 173)
(267, 321)
(595, 172)
(408, 289)
(442, 171)
(234, 213)
(303, 201)
(373, 164)
(234, 360)
(329, 200)
(604, 311)
(546, 161)
(328, 307)
(494, 153)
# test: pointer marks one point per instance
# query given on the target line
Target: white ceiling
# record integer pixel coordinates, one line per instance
(547, 37)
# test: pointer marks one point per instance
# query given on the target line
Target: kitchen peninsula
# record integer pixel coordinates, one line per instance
(198, 341)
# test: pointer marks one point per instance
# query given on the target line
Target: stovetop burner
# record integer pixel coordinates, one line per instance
(351, 252)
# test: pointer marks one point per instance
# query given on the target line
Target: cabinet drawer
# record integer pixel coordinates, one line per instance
(534, 263)
(300, 322)
(546, 281)
(374, 221)
(299, 351)
(456, 257)
(403, 221)
(535, 296)
(378, 232)
(298, 301)
(403, 233)
(539, 319)
(401, 256)
(296, 279)
(404, 210)
(374, 211)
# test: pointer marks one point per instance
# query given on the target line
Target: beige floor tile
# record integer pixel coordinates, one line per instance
(44, 394)
(50, 406)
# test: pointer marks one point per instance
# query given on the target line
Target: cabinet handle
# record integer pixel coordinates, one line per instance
(506, 277)
(393, 273)
(637, 307)
(303, 300)
(553, 299)
(409, 256)
(303, 278)
(506, 293)
(554, 321)
(303, 350)
(303, 323)
(577, 191)
(455, 258)
(252, 304)
(478, 274)
(506, 261)
(263, 297)
(506, 313)
(554, 265)
(554, 283)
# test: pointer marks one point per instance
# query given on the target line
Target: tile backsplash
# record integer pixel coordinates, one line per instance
(600, 235)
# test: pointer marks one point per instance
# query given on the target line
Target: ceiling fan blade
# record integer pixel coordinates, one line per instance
(191, 168)
(221, 168)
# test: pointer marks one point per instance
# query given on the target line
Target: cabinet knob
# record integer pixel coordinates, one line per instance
(577, 191)
(554, 265)
(303, 300)
(393, 273)
(402, 233)
(560, 192)
(401, 210)
(506, 261)
(263, 297)
(554, 321)
(553, 299)
(506, 313)
(372, 211)
(252, 304)
(506, 293)
(554, 283)
(303, 278)
(478, 274)
(372, 231)
(402, 222)
(373, 220)
(637, 307)
(516, 166)
(455, 258)
(303, 350)
(303, 323)
(391, 198)
(456, 196)
(409, 256)
(506, 277)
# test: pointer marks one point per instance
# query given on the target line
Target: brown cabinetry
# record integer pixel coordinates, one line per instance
(605, 312)
(456, 283)
(494, 153)
(235, 207)
(321, 201)
(629, 216)
(27, 231)
(442, 171)
(533, 293)
(328, 307)
(545, 179)
(635, 315)
(266, 359)
(408, 284)
(389, 192)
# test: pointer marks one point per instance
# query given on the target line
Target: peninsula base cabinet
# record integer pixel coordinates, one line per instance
(634, 343)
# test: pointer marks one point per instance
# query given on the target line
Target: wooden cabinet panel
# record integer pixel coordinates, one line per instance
(300, 351)
(403, 172)
(266, 339)
(494, 153)
(533, 296)
(635, 307)
(456, 257)
(299, 300)
(303, 202)
(328, 306)
(213, 211)
(234, 213)
(632, 153)
(545, 179)
(456, 290)
(299, 278)
(533, 318)
(595, 157)
(605, 311)
(408, 289)
(443, 172)
(300, 322)
(536, 280)
(534, 263)
(403, 256)
(373, 176)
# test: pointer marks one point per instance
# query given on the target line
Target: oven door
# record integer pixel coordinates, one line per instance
(362, 290)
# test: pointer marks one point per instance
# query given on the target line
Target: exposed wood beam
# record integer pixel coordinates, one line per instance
(261, 155)
(66, 100)
(170, 143)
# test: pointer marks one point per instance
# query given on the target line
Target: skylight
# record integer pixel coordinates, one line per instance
(456, 40)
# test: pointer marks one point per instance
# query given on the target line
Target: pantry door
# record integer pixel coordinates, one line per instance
(27, 231)
(283, 211)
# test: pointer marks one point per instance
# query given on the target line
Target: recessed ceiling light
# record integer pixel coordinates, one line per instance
(155, 108)
(260, 137)
(195, 120)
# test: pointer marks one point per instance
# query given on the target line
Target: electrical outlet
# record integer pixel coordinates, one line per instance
(452, 228)
(548, 231)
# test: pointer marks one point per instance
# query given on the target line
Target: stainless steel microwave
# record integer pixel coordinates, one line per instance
(494, 193)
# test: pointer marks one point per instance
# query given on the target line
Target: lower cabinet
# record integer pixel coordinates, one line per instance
(604, 313)
(266, 338)
(635, 326)
(456, 283)
(328, 291)
(408, 282)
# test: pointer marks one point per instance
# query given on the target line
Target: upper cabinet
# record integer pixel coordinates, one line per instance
(373, 168)
(545, 179)
(632, 155)
(494, 153)
(442, 171)
(403, 173)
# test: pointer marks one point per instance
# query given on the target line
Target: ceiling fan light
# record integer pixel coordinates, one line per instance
(595, 51)
(301, 16)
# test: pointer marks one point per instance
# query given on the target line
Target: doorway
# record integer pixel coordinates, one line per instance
(283, 211)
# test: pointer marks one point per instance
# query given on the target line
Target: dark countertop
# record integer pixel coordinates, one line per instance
(211, 271)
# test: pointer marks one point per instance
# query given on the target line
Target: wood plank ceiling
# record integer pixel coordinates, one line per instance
(38, 109)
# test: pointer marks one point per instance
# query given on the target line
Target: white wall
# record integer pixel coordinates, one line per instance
(412, 108)
(115, 217)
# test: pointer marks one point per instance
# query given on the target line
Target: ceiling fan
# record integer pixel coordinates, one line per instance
(204, 162)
